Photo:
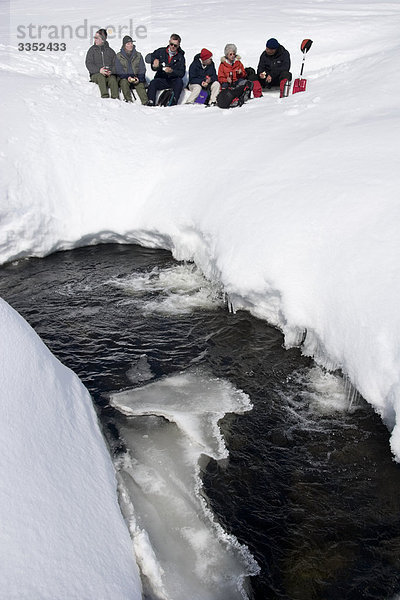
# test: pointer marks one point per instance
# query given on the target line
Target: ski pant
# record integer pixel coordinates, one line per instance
(158, 83)
(126, 88)
(104, 83)
(195, 89)
(276, 80)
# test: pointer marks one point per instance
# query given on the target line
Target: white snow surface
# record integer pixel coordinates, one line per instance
(63, 535)
(291, 205)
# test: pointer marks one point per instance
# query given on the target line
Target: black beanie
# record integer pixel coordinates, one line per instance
(103, 34)
(127, 39)
(272, 44)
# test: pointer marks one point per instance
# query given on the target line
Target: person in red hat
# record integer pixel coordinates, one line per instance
(203, 76)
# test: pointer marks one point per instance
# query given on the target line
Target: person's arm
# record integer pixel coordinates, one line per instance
(285, 61)
(262, 65)
(241, 72)
(110, 60)
(156, 56)
(90, 62)
(194, 76)
(222, 74)
(263, 70)
(213, 74)
(141, 74)
(119, 71)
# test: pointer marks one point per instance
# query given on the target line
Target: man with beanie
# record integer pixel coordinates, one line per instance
(130, 70)
(100, 62)
(169, 65)
(274, 64)
(203, 76)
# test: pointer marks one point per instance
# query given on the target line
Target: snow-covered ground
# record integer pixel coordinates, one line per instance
(292, 205)
(63, 535)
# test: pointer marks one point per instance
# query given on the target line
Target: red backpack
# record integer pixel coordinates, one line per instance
(257, 89)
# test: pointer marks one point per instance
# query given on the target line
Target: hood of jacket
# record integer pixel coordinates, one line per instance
(103, 46)
(225, 60)
(132, 54)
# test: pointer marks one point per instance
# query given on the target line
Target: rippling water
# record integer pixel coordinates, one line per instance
(309, 486)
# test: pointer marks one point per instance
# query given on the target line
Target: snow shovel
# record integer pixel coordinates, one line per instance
(300, 83)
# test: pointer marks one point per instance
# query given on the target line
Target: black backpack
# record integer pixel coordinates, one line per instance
(166, 98)
(231, 97)
(251, 74)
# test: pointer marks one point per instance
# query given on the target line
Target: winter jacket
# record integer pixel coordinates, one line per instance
(225, 68)
(130, 65)
(177, 64)
(274, 65)
(100, 56)
(198, 73)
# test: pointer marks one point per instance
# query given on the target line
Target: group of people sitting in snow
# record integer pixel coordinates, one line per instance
(126, 70)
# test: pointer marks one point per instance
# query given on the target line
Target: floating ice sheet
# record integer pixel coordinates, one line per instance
(172, 427)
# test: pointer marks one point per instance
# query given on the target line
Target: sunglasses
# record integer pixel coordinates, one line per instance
(174, 45)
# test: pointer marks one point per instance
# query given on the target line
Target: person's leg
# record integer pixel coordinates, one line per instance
(113, 85)
(125, 89)
(156, 84)
(215, 87)
(285, 75)
(102, 83)
(141, 92)
(177, 86)
(195, 89)
(282, 75)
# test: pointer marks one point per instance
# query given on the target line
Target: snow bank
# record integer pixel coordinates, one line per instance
(63, 535)
(291, 204)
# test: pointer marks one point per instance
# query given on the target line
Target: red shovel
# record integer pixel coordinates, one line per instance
(300, 83)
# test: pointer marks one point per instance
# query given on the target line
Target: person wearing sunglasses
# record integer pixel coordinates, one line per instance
(231, 71)
(100, 62)
(170, 67)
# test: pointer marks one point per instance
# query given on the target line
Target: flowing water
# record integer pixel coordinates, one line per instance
(244, 469)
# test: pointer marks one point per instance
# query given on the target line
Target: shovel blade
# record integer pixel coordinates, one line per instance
(299, 85)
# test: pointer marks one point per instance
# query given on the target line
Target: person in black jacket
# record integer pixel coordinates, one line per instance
(274, 64)
(169, 65)
(100, 62)
(202, 75)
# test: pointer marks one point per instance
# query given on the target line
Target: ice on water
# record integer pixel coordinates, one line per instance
(171, 430)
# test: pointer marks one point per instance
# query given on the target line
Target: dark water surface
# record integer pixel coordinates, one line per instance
(311, 490)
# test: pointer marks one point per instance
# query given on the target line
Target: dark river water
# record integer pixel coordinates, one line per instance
(309, 487)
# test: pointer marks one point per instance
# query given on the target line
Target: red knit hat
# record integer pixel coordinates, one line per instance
(205, 54)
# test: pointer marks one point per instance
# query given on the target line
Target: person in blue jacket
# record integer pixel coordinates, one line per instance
(202, 75)
(130, 70)
(170, 67)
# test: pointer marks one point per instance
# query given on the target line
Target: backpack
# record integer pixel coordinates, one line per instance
(251, 74)
(257, 89)
(231, 97)
(166, 97)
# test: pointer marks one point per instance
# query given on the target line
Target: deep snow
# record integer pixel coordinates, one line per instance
(63, 535)
(292, 205)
